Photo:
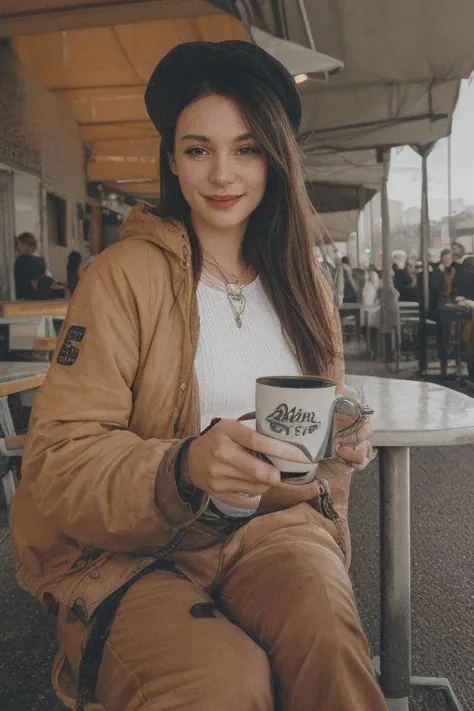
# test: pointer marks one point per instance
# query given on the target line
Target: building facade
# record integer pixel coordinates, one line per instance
(42, 171)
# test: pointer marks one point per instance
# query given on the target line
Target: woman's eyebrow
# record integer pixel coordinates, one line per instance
(244, 137)
(206, 139)
(195, 137)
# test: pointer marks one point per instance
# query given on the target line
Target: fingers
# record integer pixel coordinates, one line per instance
(250, 467)
(229, 479)
(249, 439)
(364, 433)
(355, 456)
(232, 460)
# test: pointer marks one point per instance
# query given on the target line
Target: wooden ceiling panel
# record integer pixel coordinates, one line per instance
(32, 17)
(83, 58)
(115, 56)
(18, 7)
(216, 28)
(106, 105)
(118, 132)
(145, 44)
(115, 160)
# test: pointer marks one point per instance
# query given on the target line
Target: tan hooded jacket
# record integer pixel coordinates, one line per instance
(98, 492)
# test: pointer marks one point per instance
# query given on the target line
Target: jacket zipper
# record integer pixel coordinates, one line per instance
(194, 344)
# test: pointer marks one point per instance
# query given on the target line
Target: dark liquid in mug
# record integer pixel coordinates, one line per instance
(293, 475)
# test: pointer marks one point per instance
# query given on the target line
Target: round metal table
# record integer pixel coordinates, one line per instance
(406, 414)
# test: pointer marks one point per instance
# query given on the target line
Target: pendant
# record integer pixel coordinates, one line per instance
(237, 301)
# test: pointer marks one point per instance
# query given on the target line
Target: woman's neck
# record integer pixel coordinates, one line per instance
(223, 246)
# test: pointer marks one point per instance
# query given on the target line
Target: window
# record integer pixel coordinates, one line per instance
(57, 219)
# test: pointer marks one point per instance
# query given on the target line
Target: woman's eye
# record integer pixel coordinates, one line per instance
(249, 151)
(196, 152)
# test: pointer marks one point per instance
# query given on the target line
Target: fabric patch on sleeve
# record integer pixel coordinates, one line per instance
(70, 348)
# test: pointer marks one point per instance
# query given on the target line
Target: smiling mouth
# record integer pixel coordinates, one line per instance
(222, 201)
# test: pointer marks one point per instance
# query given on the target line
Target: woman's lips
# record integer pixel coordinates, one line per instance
(223, 202)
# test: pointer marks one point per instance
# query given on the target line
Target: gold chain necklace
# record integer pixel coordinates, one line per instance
(233, 290)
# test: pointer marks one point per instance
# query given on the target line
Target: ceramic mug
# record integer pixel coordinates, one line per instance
(300, 410)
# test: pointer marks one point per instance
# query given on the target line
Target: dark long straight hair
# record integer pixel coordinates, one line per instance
(280, 238)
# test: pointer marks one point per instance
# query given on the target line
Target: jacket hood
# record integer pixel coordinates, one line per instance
(169, 234)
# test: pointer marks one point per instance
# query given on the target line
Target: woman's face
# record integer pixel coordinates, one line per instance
(219, 165)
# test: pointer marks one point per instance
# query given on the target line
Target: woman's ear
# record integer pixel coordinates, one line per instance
(172, 164)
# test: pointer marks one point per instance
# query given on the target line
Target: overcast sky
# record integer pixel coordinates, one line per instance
(405, 170)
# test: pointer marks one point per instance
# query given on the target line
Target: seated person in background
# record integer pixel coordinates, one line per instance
(38, 286)
(402, 278)
(459, 252)
(350, 286)
(463, 282)
(26, 246)
(433, 263)
(370, 291)
(449, 271)
(463, 289)
(403, 283)
(74, 262)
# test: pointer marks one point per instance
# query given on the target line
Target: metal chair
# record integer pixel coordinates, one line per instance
(11, 450)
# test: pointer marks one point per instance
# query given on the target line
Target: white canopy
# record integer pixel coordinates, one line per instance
(402, 65)
(403, 62)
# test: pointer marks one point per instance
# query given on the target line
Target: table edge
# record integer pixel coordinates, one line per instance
(12, 387)
(428, 438)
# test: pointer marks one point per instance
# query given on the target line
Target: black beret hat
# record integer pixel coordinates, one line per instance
(165, 95)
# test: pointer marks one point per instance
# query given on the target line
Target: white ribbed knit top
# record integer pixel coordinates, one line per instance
(230, 359)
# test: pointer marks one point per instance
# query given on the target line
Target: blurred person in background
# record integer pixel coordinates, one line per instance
(26, 247)
(449, 270)
(402, 278)
(350, 285)
(459, 252)
(433, 263)
(464, 290)
(38, 285)
(74, 262)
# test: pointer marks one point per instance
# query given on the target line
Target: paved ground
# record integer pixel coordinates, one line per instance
(443, 585)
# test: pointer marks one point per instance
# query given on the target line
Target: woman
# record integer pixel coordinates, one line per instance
(163, 601)
(41, 287)
(73, 268)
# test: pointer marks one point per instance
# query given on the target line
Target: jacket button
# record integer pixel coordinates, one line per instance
(94, 574)
(183, 387)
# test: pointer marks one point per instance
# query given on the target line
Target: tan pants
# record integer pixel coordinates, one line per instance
(287, 635)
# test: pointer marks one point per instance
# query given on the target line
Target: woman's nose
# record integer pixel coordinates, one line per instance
(222, 172)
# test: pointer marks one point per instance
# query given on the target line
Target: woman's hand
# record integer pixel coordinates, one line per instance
(222, 463)
(355, 451)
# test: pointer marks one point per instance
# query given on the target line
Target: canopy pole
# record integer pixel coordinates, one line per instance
(450, 200)
(371, 217)
(362, 201)
(306, 23)
(424, 152)
(357, 235)
(389, 294)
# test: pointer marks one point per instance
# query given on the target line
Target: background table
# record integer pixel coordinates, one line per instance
(23, 378)
(18, 377)
(52, 307)
(407, 414)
